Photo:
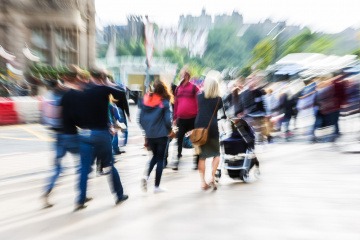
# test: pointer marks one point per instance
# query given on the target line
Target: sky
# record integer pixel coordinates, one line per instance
(320, 15)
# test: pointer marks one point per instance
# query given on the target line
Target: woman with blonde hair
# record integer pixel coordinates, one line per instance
(155, 119)
(209, 102)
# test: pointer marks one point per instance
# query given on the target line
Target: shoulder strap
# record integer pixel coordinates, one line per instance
(215, 110)
(194, 89)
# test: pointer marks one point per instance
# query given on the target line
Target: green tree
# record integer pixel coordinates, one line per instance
(263, 53)
(122, 50)
(101, 50)
(139, 50)
(356, 52)
(321, 44)
(297, 44)
(174, 56)
(224, 48)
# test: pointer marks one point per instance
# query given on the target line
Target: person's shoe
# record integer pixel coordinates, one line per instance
(144, 184)
(205, 186)
(79, 207)
(122, 199)
(176, 164)
(213, 185)
(47, 204)
(105, 173)
(159, 190)
(88, 199)
(270, 139)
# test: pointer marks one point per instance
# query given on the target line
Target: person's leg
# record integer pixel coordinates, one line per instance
(190, 124)
(318, 123)
(263, 127)
(160, 155)
(336, 122)
(60, 152)
(215, 164)
(115, 143)
(86, 158)
(126, 133)
(180, 135)
(295, 118)
(102, 144)
(154, 148)
(167, 152)
(286, 124)
(269, 128)
(204, 185)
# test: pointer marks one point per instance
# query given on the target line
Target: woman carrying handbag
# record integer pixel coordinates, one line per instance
(209, 102)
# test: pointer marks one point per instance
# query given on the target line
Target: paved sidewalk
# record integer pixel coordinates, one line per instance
(305, 192)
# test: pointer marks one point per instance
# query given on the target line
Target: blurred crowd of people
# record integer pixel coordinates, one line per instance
(87, 113)
(270, 107)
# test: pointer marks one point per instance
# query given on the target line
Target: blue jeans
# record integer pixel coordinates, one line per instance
(285, 122)
(97, 143)
(115, 143)
(126, 135)
(123, 120)
(63, 143)
(158, 147)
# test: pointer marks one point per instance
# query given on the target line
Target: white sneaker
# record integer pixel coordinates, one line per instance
(159, 190)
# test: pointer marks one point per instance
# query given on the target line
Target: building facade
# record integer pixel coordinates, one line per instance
(58, 32)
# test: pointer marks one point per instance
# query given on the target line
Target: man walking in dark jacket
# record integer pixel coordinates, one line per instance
(95, 139)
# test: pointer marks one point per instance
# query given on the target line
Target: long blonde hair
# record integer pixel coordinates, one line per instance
(211, 84)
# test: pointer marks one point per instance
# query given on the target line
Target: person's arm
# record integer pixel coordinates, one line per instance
(122, 101)
(141, 116)
(175, 110)
(116, 113)
(168, 119)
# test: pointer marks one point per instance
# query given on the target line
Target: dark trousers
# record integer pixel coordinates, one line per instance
(158, 147)
(335, 119)
(184, 126)
(324, 120)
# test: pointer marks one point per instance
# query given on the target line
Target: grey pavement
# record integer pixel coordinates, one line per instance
(306, 191)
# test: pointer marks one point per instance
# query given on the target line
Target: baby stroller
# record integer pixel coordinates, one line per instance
(237, 151)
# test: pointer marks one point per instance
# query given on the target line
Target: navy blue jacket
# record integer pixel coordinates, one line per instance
(155, 116)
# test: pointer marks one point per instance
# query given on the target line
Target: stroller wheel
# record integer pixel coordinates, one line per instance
(244, 175)
(257, 172)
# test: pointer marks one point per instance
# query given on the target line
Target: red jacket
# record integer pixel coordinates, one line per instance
(186, 106)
